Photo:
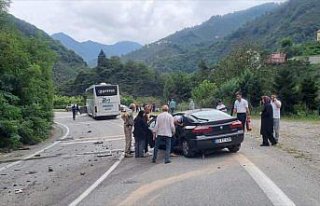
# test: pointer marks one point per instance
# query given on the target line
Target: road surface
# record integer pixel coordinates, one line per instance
(82, 165)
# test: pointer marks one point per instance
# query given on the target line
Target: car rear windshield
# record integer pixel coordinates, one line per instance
(210, 115)
(106, 90)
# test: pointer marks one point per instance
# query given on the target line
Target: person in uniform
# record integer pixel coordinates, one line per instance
(127, 117)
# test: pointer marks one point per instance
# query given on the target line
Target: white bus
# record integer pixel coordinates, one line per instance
(103, 100)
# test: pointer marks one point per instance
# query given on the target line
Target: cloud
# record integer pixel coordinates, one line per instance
(110, 21)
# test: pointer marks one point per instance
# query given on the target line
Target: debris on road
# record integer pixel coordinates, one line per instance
(99, 142)
(82, 173)
(31, 172)
(24, 148)
(89, 131)
(50, 169)
(37, 155)
(18, 191)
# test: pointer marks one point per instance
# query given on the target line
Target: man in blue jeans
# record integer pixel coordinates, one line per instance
(163, 131)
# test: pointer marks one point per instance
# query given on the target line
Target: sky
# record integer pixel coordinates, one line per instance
(111, 21)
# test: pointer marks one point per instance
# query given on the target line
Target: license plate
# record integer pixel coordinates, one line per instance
(223, 140)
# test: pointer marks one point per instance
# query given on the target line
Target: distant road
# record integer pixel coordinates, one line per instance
(79, 171)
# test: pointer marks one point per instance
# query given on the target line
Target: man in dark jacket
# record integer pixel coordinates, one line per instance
(266, 129)
(74, 110)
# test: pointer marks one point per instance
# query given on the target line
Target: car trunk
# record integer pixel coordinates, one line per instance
(217, 127)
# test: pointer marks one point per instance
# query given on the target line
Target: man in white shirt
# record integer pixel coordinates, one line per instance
(163, 131)
(276, 106)
(241, 108)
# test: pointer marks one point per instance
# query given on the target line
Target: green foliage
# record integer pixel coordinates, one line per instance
(178, 85)
(60, 102)
(250, 87)
(286, 88)
(67, 64)
(26, 88)
(204, 94)
(135, 79)
(127, 100)
(309, 93)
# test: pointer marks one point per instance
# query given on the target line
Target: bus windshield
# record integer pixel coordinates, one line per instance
(106, 90)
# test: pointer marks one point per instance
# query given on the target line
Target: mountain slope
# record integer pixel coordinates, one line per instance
(295, 19)
(89, 50)
(166, 53)
(68, 63)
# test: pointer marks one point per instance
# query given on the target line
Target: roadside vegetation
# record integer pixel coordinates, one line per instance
(26, 87)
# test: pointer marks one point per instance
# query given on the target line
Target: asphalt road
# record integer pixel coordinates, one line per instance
(82, 165)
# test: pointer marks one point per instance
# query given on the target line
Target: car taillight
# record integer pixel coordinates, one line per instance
(236, 125)
(202, 130)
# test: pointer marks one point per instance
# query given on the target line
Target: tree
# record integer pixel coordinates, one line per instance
(251, 87)
(309, 93)
(178, 85)
(286, 88)
(205, 94)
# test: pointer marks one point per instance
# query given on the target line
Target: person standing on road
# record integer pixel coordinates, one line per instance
(163, 131)
(266, 129)
(241, 108)
(140, 132)
(127, 117)
(276, 106)
(172, 106)
(74, 110)
(147, 111)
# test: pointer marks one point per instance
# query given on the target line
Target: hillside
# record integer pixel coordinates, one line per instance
(68, 63)
(89, 50)
(297, 20)
(168, 53)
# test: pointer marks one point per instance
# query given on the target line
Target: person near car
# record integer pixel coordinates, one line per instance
(127, 117)
(241, 108)
(163, 131)
(147, 111)
(276, 106)
(221, 106)
(75, 110)
(266, 129)
(172, 106)
(140, 132)
(178, 123)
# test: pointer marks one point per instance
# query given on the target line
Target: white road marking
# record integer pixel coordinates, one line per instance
(96, 183)
(92, 141)
(98, 138)
(38, 152)
(273, 192)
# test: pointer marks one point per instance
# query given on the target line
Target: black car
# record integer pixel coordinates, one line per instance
(204, 130)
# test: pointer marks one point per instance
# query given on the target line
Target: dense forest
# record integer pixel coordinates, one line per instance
(26, 86)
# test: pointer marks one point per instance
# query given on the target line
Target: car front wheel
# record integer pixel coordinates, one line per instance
(234, 148)
(186, 150)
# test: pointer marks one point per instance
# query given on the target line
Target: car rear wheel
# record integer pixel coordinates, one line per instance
(186, 150)
(234, 148)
